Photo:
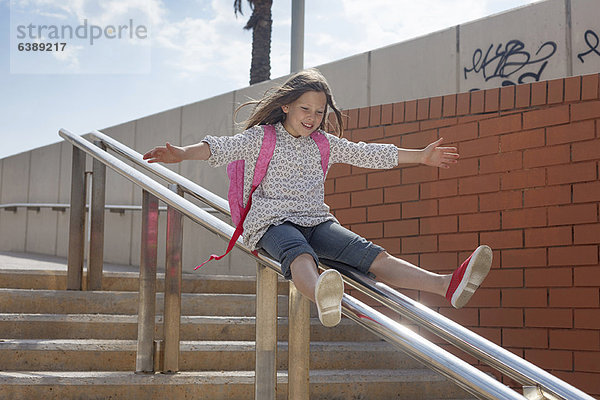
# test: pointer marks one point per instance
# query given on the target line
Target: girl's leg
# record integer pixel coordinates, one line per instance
(325, 290)
(287, 244)
(400, 273)
(332, 241)
(457, 287)
(305, 275)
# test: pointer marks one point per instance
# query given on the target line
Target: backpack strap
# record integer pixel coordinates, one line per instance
(235, 195)
(262, 164)
(264, 157)
(323, 145)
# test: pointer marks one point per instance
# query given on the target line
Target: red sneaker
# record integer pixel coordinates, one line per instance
(467, 278)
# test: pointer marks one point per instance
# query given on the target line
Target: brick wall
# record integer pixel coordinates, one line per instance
(526, 184)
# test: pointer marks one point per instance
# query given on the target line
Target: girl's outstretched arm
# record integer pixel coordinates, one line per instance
(173, 154)
(432, 155)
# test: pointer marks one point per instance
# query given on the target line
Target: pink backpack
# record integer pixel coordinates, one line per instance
(235, 171)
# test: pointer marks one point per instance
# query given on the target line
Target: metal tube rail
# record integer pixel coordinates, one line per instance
(506, 362)
(64, 206)
(34, 206)
(515, 367)
(185, 184)
(189, 209)
(471, 379)
(426, 352)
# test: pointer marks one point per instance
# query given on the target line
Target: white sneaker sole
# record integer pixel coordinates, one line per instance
(477, 269)
(328, 297)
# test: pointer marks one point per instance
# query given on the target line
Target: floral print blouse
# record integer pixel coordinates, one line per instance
(293, 188)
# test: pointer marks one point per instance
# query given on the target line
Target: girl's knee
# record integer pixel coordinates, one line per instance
(384, 258)
(304, 259)
(304, 268)
(381, 257)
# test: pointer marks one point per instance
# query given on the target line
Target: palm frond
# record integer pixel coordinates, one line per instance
(237, 6)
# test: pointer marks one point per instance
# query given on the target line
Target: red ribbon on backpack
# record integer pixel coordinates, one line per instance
(236, 234)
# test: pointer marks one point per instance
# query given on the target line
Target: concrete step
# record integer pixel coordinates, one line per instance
(103, 302)
(105, 326)
(231, 385)
(129, 282)
(119, 355)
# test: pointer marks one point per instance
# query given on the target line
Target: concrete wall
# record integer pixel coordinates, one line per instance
(546, 40)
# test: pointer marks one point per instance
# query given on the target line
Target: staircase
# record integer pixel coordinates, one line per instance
(59, 344)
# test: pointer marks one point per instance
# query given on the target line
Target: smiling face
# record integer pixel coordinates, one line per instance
(304, 116)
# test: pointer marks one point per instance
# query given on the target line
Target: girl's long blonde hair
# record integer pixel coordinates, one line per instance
(267, 111)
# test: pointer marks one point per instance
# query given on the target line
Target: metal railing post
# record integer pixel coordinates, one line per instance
(172, 314)
(297, 34)
(147, 293)
(298, 345)
(265, 387)
(96, 249)
(77, 222)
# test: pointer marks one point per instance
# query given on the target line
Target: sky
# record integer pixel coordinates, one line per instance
(184, 51)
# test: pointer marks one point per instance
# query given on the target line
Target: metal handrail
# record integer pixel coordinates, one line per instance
(450, 366)
(185, 184)
(64, 206)
(468, 377)
(14, 206)
(522, 371)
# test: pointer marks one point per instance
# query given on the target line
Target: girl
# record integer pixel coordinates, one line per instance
(289, 219)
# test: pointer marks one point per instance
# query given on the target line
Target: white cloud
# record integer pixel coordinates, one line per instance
(152, 11)
(496, 6)
(52, 15)
(379, 22)
(96, 11)
(199, 46)
(354, 26)
(69, 57)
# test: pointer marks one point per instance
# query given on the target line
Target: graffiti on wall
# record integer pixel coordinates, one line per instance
(592, 41)
(510, 63)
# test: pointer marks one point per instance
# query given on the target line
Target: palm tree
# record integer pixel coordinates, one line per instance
(260, 22)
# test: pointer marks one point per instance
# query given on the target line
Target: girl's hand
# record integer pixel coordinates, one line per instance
(165, 154)
(441, 157)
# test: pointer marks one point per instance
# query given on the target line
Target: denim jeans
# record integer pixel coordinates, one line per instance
(326, 241)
